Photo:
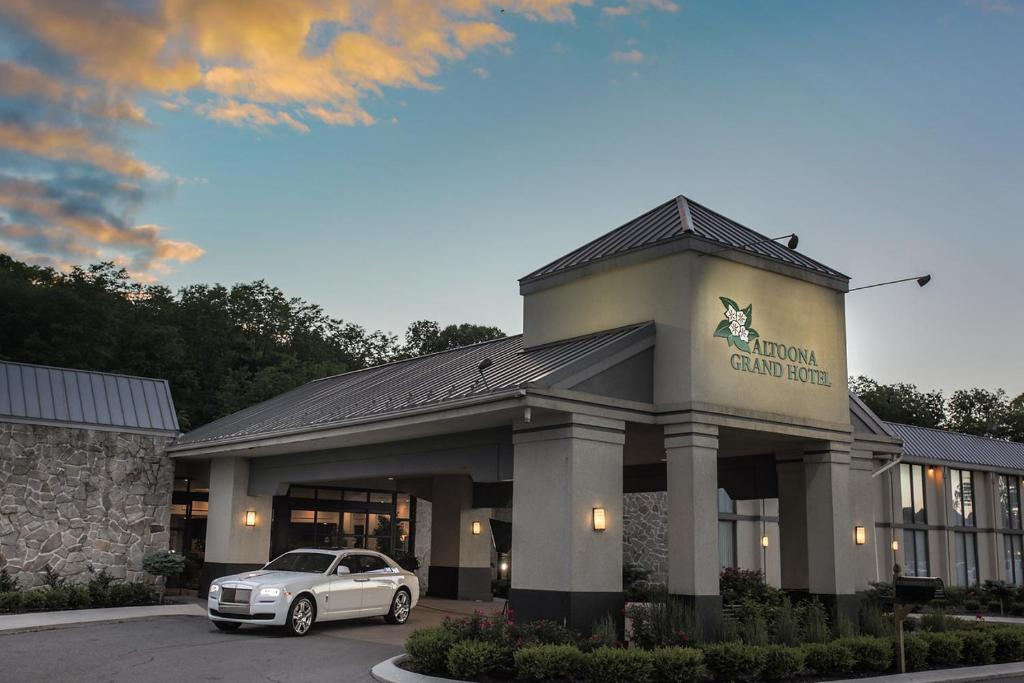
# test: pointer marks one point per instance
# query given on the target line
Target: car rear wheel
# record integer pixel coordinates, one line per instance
(401, 605)
(300, 617)
(227, 625)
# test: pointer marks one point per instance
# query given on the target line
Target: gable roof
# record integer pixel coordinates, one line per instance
(677, 218)
(942, 445)
(394, 389)
(78, 398)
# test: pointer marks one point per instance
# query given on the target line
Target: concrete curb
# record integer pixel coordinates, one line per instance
(388, 671)
(960, 675)
(38, 621)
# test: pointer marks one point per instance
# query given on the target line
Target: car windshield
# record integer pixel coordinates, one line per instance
(316, 563)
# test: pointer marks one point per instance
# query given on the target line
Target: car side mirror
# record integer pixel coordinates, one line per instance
(342, 570)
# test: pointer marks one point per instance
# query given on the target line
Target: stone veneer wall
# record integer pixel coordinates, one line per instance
(422, 542)
(644, 527)
(75, 499)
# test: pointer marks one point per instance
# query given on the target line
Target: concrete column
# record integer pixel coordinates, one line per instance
(231, 546)
(830, 556)
(562, 568)
(789, 468)
(460, 561)
(691, 453)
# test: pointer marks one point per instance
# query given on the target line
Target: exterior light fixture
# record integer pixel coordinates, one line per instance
(250, 518)
(921, 281)
(504, 566)
(860, 535)
(477, 527)
(895, 544)
(599, 519)
(791, 244)
(764, 541)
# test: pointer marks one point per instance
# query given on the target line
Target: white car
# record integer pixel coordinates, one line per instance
(307, 585)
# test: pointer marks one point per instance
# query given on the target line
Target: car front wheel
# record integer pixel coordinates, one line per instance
(300, 617)
(401, 604)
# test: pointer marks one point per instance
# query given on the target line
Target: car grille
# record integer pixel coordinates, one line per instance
(239, 596)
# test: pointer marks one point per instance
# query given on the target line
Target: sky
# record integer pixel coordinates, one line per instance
(395, 160)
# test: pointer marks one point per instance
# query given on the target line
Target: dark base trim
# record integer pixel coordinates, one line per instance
(574, 609)
(459, 583)
(215, 570)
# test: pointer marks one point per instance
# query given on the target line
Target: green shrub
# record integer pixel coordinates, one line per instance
(1017, 608)
(829, 659)
(473, 658)
(55, 598)
(33, 600)
(8, 584)
(663, 621)
(734, 661)
(814, 622)
(934, 619)
(739, 585)
(11, 601)
(978, 647)
(612, 665)
(915, 649)
(78, 597)
(875, 622)
(845, 628)
(548, 662)
(785, 626)
(428, 650)
(679, 665)
(163, 563)
(753, 624)
(98, 586)
(971, 605)
(995, 607)
(871, 654)
(943, 648)
(782, 663)
(1009, 643)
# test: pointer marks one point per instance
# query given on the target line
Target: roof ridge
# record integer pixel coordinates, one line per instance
(90, 372)
(946, 430)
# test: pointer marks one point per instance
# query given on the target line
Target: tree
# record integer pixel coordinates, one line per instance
(427, 336)
(980, 412)
(900, 402)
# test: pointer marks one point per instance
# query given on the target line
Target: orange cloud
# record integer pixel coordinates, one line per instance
(75, 145)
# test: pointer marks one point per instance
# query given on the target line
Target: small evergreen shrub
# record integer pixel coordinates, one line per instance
(55, 598)
(734, 661)
(786, 627)
(548, 663)
(978, 648)
(78, 597)
(995, 607)
(814, 622)
(829, 659)
(915, 649)
(473, 658)
(11, 601)
(943, 648)
(871, 654)
(33, 600)
(428, 649)
(8, 584)
(614, 665)
(782, 663)
(752, 623)
(934, 619)
(679, 665)
(1009, 643)
(972, 605)
(875, 622)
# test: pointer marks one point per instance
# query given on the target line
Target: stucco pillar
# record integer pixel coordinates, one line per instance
(691, 453)
(830, 557)
(231, 546)
(562, 568)
(789, 469)
(460, 561)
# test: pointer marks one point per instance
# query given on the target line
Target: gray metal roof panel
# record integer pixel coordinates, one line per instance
(957, 448)
(79, 398)
(389, 390)
(673, 220)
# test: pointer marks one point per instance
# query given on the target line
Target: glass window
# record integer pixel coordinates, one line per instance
(727, 543)
(369, 563)
(302, 562)
(327, 528)
(354, 523)
(382, 544)
(966, 559)
(385, 498)
(912, 494)
(379, 525)
(356, 496)
(352, 562)
(302, 492)
(200, 508)
(915, 552)
(1014, 558)
(1009, 501)
(961, 491)
(402, 534)
(328, 494)
(725, 502)
(403, 508)
(181, 484)
(302, 530)
(179, 509)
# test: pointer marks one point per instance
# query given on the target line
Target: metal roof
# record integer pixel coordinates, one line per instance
(677, 218)
(962, 449)
(389, 390)
(79, 398)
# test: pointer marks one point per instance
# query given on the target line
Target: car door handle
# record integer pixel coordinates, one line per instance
(362, 580)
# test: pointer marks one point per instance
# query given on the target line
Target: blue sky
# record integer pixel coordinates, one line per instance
(886, 134)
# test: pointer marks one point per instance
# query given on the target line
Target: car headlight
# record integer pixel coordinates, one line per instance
(214, 588)
(270, 592)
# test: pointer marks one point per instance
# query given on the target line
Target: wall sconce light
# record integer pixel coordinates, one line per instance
(764, 541)
(860, 535)
(931, 470)
(250, 518)
(599, 519)
(895, 544)
(477, 527)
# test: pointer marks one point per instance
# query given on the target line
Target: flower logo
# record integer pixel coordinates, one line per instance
(736, 328)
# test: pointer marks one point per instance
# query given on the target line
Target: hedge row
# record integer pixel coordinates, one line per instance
(78, 597)
(440, 652)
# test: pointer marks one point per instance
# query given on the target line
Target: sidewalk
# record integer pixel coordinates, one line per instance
(45, 620)
(990, 672)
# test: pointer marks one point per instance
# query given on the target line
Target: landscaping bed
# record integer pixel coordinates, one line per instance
(764, 636)
(101, 591)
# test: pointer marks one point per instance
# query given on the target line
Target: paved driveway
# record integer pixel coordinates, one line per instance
(189, 649)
